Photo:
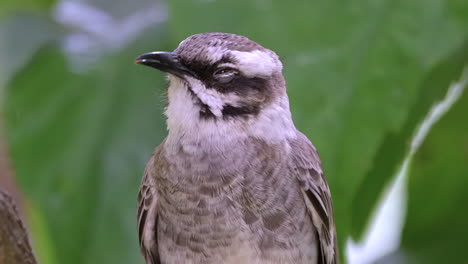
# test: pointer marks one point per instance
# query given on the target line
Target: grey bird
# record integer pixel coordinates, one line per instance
(234, 181)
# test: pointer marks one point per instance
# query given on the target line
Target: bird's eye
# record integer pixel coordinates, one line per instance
(225, 75)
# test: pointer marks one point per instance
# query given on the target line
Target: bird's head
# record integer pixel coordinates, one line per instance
(221, 80)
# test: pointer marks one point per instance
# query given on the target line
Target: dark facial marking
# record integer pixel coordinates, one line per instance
(241, 85)
(203, 69)
(205, 112)
(243, 111)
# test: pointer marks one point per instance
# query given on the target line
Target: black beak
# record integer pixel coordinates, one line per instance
(166, 62)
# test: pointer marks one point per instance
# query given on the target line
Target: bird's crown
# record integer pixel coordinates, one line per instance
(205, 53)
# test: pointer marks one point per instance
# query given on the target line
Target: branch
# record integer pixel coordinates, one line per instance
(14, 242)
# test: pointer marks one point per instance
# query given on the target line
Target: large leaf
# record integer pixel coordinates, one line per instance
(79, 143)
(421, 229)
(436, 229)
(353, 71)
(397, 145)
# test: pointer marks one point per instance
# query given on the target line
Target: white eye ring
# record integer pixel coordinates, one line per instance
(225, 74)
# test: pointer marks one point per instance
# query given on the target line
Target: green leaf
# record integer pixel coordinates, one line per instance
(397, 145)
(436, 229)
(40, 235)
(354, 70)
(79, 143)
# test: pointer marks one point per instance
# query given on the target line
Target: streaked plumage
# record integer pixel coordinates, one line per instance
(234, 181)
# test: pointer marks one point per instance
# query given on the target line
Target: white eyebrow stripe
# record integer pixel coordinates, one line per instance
(257, 63)
(227, 65)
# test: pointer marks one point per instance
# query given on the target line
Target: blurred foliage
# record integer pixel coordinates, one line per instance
(361, 76)
(8, 6)
(85, 140)
(17, 49)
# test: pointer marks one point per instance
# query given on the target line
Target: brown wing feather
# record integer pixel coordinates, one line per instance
(147, 212)
(317, 195)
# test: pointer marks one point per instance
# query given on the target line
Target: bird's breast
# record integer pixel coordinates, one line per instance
(236, 204)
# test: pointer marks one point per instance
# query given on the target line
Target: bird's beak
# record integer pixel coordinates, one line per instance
(164, 61)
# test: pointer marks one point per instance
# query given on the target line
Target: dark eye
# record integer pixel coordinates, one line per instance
(225, 74)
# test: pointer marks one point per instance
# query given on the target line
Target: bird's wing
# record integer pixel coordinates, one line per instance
(307, 166)
(147, 212)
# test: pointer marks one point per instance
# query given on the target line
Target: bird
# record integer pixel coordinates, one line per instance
(234, 181)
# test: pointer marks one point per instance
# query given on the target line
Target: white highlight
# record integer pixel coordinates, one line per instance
(384, 234)
(454, 92)
(257, 63)
(387, 223)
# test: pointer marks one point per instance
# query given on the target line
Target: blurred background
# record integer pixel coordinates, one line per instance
(377, 85)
